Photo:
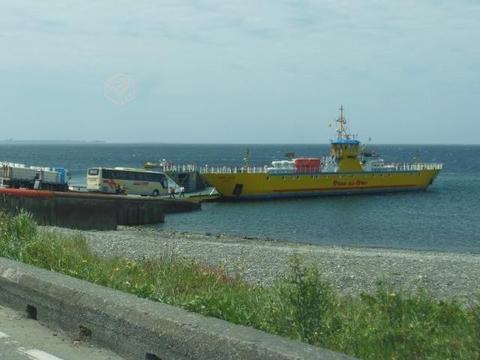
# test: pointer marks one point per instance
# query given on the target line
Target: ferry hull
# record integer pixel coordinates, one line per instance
(236, 186)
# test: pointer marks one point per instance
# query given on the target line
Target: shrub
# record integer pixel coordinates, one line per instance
(388, 324)
(309, 305)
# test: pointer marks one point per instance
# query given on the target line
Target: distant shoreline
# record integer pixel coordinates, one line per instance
(105, 142)
(50, 142)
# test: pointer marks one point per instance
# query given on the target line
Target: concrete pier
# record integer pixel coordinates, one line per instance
(86, 211)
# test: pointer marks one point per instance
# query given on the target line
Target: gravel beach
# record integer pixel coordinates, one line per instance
(350, 270)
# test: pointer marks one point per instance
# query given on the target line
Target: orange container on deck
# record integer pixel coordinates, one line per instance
(307, 164)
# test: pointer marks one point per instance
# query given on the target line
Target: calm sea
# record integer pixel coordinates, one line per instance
(446, 217)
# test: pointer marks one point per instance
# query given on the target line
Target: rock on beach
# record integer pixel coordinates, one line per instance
(351, 271)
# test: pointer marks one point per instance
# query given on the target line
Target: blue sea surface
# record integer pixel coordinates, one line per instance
(444, 218)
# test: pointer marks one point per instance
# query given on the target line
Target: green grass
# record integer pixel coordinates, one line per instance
(389, 324)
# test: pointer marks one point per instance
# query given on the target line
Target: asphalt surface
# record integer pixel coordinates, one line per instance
(27, 339)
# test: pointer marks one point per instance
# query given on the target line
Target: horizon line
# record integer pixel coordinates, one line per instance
(105, 142)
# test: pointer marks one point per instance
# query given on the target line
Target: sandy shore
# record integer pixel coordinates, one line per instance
(350, 270)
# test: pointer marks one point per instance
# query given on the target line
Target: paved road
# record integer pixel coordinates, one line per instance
(26, 339)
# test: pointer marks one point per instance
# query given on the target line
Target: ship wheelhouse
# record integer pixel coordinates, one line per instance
(345, 149)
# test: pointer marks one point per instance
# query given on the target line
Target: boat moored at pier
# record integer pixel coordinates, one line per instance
(348, 169)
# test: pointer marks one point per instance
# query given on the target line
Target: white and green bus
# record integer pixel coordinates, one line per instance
(127, 181)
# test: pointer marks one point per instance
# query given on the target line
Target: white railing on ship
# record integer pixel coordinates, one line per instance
(386, 167)
(213, 169)
(181, 168)
(231, 170)
(411, 167)
(256, 169)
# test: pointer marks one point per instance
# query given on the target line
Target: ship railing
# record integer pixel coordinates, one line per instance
(181, 168)
(410, 167)
(258, 169)
(212, 169)
(231, 170)
(255, 170)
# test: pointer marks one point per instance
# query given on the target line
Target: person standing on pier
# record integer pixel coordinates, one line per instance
(172, 192)
(182, 192)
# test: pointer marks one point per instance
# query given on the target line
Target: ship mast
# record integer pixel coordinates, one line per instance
(342, 130)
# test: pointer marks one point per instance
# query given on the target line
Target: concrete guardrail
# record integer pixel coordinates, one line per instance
(137, 328)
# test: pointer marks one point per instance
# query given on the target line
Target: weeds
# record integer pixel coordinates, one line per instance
(313, 304)
(388, 324)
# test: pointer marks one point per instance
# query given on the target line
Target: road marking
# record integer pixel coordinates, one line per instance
(35, 354)
(3, 335)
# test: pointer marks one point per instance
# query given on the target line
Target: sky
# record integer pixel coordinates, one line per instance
(246, 71)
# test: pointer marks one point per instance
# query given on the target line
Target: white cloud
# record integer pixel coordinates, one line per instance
(312, 52)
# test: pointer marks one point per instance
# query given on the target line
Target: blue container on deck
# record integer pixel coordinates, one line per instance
(62, 173)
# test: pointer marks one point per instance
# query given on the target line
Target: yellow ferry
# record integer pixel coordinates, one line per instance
(347, 170)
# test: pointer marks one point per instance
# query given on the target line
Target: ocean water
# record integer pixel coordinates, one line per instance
(444, 218)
